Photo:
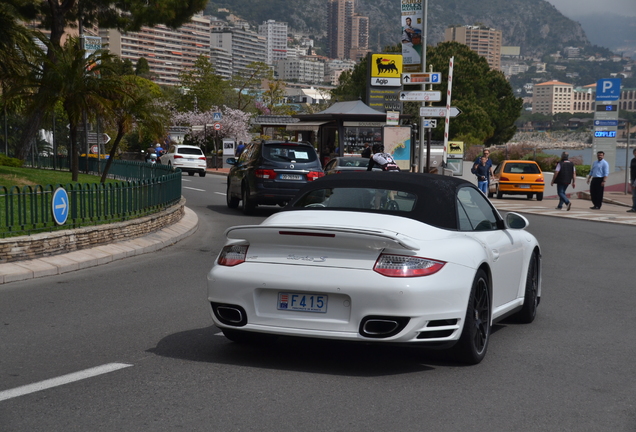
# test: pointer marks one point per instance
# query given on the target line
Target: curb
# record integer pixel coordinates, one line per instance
(85, 258)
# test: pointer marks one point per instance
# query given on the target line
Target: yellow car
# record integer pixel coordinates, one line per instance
(517, 177)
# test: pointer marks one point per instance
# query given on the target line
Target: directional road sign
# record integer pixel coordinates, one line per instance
(103, 138)
(217, 116)
(422, 78)
(438, 112)
(60, 206)
(421, 96)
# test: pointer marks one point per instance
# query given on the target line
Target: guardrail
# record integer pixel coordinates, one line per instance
(144, 189)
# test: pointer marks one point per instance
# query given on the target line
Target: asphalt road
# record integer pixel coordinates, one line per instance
(144, 323)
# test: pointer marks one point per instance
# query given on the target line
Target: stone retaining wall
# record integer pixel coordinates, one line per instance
(57, 242)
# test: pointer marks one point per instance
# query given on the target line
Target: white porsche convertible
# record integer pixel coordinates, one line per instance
(379, 257)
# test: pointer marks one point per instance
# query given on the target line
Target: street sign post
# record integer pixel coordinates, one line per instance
(438, 112)
(422, 78)
(94, 138)
(217, 116)
(217, 126)
(429, 124)
(421, 96)
(60, 206)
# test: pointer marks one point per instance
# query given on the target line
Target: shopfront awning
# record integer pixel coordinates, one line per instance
(305, 126)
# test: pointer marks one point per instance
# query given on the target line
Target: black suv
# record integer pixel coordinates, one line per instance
(270, 172)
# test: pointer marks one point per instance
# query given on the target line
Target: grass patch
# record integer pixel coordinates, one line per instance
(12, 176)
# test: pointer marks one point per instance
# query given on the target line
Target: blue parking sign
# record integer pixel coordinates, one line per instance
(608, 89)
(60, 206)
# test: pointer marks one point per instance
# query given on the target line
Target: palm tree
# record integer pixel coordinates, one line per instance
(79, 82)
(16, 42)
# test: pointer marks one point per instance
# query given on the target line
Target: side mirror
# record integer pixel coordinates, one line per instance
(516, 221)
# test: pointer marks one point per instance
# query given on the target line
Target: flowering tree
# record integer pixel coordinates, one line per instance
(234, 124)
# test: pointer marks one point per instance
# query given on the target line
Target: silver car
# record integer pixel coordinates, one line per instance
(347, 164)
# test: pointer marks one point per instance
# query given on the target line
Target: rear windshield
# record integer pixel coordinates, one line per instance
(189, 151)
(359, 199)
(289, 153)
(521, 168)
(354, 162)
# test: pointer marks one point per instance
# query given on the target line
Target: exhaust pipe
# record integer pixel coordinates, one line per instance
(230, 314)
(382, 327)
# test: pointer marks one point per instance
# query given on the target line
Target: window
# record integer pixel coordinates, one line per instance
(474, 211)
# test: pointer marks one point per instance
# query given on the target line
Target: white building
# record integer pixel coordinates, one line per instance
(275, 34)
(301, 70)
(244, 46)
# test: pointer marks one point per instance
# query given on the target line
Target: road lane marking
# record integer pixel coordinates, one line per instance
(61, 380)
(220, 193)
(191, 188)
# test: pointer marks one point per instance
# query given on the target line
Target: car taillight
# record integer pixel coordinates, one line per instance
(232, 255)
(265, 173)
(406, 266)
(539, 180)
(504, 179)
(313, 175)
(178, 156)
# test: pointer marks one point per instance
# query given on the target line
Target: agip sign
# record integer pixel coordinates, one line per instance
(385, 82)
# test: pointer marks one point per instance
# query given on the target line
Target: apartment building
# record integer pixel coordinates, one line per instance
(301, 70)
(484, 41)
(347, 32)
(168, 51)
(275, 34)
(244, 46)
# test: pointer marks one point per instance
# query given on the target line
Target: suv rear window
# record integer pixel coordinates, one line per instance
(289, 152)
(189, 151)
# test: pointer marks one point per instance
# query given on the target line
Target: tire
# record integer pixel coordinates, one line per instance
(473, 343)
(232, 202)
(201, 173)
(490, 194)
(247, 204)
(499, 194)
(539, 196)
(191, 173)
(529, 196)
(531, 298)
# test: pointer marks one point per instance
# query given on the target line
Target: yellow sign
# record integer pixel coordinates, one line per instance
(456, 147)
(386, 65)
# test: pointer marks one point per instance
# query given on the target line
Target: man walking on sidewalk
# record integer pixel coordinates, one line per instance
(564, 174)
(598, 175)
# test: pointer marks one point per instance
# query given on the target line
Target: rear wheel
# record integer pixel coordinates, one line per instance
(247, 204)
(531, 298)
(473, 343)
(191, 173)
(201, 173)
(232, 202)
(499, 194)
(539, 196)
(529, 196)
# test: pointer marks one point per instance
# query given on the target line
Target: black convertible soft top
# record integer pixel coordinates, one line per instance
(436, 194)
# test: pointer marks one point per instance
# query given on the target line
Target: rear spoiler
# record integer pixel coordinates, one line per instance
(376, 239)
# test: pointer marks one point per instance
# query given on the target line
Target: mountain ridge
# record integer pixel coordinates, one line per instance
(534, 25)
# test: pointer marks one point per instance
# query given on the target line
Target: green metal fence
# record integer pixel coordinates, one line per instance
(144, 189)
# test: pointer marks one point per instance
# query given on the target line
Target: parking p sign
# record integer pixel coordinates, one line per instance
(608, 89)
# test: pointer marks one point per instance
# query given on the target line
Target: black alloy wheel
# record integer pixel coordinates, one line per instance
(531, 298)
(473, 343)
(232, 202)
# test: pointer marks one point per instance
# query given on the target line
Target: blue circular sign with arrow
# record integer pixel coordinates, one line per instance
(60, 206)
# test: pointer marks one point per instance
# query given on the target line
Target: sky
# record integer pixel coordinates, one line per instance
(574, 8)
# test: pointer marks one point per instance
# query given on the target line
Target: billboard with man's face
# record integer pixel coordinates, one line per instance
(412, 25)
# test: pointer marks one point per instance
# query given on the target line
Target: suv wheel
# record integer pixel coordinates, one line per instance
(248, 205)
(232, 202)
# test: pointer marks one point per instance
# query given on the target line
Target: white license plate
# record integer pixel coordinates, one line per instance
(302, 302)
(524, 186)
(291, 177)
(190, 160)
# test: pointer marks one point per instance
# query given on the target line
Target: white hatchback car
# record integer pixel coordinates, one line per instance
(187, 158)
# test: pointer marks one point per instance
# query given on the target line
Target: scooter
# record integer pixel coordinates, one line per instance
(151, 158)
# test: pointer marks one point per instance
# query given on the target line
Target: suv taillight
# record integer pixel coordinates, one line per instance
(265, 173)
(232, 255)
(178, 156)
(313, 175)
(406, 266)
(202, 158)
